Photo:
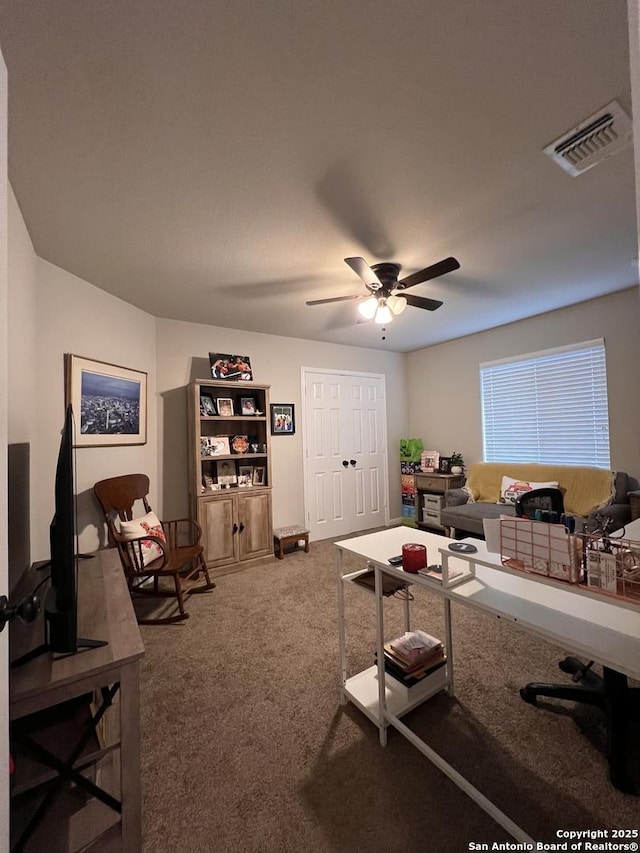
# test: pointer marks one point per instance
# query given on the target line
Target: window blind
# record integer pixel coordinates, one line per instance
(548, 407)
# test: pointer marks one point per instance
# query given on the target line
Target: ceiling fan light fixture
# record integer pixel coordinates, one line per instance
(368, 308)
(397, 304)
(383, 314)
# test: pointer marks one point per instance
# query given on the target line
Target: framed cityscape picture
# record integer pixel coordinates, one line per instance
(109, 402)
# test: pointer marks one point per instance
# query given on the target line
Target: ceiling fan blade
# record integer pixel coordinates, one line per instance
(332, 299)
(362, 269)
(442, 267)
(422, 302)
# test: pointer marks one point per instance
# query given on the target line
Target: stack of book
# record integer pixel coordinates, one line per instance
(413, 656)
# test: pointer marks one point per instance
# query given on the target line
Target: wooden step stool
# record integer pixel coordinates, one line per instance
(290, 535)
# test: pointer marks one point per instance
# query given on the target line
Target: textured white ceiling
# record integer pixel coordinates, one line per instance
(215, 161)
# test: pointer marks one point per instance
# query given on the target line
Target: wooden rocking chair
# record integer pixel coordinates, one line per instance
(149, 552)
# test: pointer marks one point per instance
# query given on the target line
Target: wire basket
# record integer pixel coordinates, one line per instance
(601, 563)
(611, 565)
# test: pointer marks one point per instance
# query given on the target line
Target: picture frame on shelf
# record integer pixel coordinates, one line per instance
(248, 406)
(258, 475)
(226, 473)
(283, 419)
(207, 406)
(225, 407)
(233, 368)
(429, 461)
(109, 402)
(444, 465)
(245, 475)
(214, 445)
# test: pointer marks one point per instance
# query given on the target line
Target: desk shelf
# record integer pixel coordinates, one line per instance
(362, 690)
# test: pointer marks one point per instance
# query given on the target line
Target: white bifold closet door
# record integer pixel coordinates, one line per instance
(345, 452)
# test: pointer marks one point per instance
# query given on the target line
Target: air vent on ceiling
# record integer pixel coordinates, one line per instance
(593, 140)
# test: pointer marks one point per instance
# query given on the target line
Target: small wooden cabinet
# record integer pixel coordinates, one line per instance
(236, 527)
(430, 489)
(230, 472)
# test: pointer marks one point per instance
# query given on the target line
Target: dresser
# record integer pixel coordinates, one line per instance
(429, 497)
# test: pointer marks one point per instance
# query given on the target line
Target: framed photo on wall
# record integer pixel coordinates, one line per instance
(282, 419)
(109, 402)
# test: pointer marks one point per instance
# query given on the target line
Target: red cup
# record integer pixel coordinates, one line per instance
(414, 557)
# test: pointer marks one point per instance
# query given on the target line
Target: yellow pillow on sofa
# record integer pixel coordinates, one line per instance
(511, 490)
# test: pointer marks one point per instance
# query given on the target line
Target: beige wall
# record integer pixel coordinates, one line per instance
(74, 316)
(183, 356)
(444, 406)
(53, 312)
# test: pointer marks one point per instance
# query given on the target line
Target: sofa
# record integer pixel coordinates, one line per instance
(491, 490)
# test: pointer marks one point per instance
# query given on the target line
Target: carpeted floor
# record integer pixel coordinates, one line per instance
(246, 746)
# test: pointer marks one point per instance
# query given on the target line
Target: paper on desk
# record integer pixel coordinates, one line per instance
(492, 534)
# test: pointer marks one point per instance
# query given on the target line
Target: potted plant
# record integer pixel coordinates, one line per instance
(457, 463)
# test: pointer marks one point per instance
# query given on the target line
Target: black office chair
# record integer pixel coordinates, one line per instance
(546, 499)
(610, 692)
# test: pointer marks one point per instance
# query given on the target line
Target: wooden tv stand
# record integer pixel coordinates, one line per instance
(51, 702)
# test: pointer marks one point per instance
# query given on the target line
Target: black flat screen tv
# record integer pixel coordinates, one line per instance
(61, 601)
(61, 606)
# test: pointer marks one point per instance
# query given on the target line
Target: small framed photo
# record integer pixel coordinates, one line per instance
(248, 405)
(207, 406)
(445, 465)
(214, 445)
(231, 367)
(245, 475)
(282, 419)
(430, 461)
(225, 407)
(258, 475)
(226, 473)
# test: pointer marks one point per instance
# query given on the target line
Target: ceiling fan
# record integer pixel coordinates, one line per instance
(387, 295)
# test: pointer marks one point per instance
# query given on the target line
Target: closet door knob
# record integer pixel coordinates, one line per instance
(353, 462)
(345, 463)
(235, 527)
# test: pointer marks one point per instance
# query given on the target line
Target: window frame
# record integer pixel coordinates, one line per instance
(559, 411)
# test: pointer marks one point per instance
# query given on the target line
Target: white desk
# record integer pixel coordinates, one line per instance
(549, 609)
